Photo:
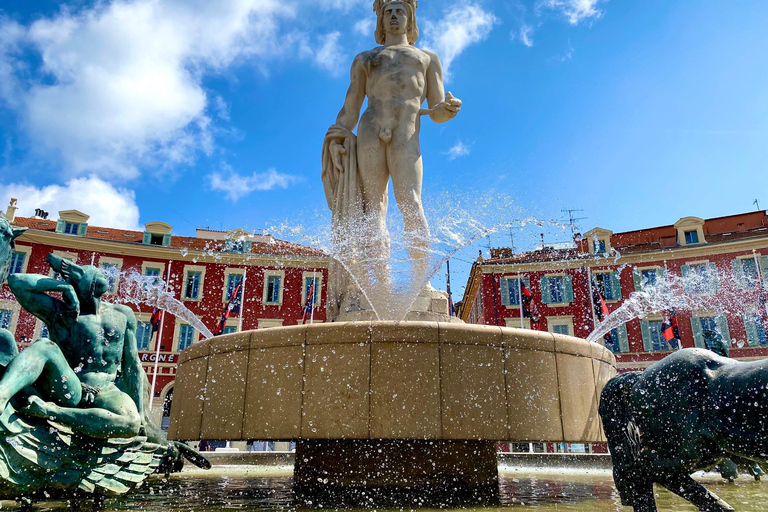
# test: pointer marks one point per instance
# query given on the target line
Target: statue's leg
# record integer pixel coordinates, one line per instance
(114, 414)
(688, 488)
(43, 364)
(374, 177)
(405, 166)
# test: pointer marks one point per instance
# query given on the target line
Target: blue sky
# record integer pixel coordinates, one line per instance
(204, 113)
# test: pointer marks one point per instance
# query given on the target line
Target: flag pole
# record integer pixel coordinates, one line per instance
(242, 302)
(157, 340)
(520, 299)
(314, 294)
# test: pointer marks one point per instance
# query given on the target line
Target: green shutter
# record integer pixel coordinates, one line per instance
(546, 298)
(60, 224)
(698, 336)
(568, 285)
(713, 277)
(685, 271)
(504, 288)
(661, 273)
(637, 277)
(615, 286)
(167, 240)
(738, 274)
(247, 247)
(751, 327)
(646, 330)
(623, 339)
(763, 267)
(722, 324)
(82, 229)
(147, 238)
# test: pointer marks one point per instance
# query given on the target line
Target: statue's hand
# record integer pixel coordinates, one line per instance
(446, 109)
(37, 407)
(70, 299)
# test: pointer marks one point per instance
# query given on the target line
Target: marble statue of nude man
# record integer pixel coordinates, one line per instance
(88, 375)
(397, 78)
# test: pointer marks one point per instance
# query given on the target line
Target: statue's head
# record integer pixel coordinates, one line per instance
(8, 235)
(88, 281)
(398, 16)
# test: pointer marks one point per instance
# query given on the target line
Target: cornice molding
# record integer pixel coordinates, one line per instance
(34, 236)
(676, 253)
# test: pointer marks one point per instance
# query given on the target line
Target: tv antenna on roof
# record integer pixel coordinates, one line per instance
(572, 220)
(756, 203)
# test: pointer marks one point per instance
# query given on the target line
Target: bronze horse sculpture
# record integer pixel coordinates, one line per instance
(685, 413)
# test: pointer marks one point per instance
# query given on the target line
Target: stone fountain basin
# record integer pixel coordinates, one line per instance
(391, 380)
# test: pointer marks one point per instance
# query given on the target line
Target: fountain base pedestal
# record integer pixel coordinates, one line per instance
(400, 471)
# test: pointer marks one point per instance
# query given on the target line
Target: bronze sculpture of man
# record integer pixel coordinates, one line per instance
(88, 375)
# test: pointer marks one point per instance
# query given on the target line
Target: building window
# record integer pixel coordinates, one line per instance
(653, 339)
(233, 280)
(153, 273)
(647, 277)
(691, 237)
(71, 228)
(616, 340)
(556, 289)
(560, 325)
(756, 334)
(510, 290)
(229, 329)
(599, 246)
(5, 318)
(273, 285)
(44, 332)
(186, 336)
(316, 291)
(143, 335)
(192, 288)
(745, 272)
(705, 329)
(17, 262)
(700, 278)
(608, 285)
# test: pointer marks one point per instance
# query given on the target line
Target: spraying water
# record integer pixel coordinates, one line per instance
(392, 266)
(703, 290)
(137, 289)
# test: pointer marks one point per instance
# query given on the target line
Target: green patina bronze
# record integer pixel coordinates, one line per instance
(690, 411)
(73, 410)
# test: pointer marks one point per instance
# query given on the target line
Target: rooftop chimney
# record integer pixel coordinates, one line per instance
(10, 213)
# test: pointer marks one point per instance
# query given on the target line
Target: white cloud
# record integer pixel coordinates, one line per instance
(575, 11)
(123, 80)
(464, 24)
(526, 35)
(108, 206)
(458, 149)
(329, 55)
(365, 26)
(236, 185)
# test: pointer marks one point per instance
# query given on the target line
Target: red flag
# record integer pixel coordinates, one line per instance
(530, 309)
(154, 320)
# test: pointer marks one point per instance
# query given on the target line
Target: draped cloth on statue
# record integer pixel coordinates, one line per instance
(343, 194)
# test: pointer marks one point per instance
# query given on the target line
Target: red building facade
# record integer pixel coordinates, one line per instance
(201, 272)
(729, 253)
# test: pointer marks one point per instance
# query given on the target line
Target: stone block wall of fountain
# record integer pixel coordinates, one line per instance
(375, 387)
